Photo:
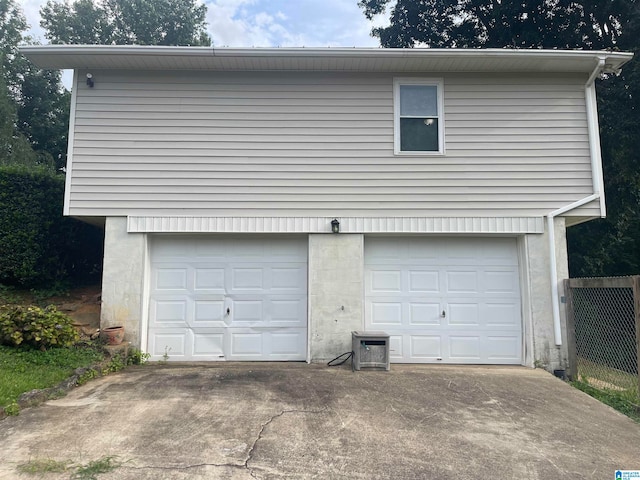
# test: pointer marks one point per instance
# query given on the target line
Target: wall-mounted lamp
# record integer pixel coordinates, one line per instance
(335, 226)
(90, 80)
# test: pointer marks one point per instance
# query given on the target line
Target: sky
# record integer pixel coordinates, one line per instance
(270, 23)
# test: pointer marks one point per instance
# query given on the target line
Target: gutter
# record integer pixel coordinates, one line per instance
(598, 188)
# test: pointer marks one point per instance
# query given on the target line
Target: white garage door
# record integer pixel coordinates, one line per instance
(445, 300)
(224, 298)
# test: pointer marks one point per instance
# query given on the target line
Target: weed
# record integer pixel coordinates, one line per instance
(12, 409)
(86, 376)
(117, 363)
(91, 470)
(35, 467)
(137, 357)
(165, 355)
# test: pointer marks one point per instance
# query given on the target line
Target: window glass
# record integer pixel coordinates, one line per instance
(418, 135)
(419, 100)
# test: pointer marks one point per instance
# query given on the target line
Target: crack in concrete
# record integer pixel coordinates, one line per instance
(262, 428)
(241, 466)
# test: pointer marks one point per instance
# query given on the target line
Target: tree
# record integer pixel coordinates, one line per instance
(498, 23)
(126, 22)
(601, 247)
(39, 104)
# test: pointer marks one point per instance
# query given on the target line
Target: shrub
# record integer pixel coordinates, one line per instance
(38, 245)
(37, 327)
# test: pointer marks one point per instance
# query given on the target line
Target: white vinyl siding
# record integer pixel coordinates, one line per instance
(321, 144)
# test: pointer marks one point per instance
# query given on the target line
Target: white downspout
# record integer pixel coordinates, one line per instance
(597, 180)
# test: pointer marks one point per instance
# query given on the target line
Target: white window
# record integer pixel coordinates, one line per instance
(418, 116)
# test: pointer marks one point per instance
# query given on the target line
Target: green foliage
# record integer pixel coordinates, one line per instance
(24, 369)
(39, 246)
(38, 467)
(34, 108)
(12, 409)
(86, 376)
(36, 327)
(126, 22)
(612, 398)
(91, 470)
(137, 357)
(486, 23)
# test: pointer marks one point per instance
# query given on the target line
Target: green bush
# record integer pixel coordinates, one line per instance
(37, 327)
(38, 246)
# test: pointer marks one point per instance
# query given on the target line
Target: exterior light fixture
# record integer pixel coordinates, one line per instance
(90, 80)
(335, 226)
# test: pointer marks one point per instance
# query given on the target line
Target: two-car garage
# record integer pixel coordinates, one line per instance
(441, 299)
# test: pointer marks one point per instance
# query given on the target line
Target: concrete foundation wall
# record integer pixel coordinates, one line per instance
(545, 353)
(123, 278)
(336, 293)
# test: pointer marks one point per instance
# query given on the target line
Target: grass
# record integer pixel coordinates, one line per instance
(37, 467)
(22, 369)
(90, 471)
(614, 398)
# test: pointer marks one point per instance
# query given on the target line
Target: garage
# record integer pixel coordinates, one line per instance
(445, 300)
(227, 298)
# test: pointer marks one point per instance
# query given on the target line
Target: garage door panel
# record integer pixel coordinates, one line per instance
(288, 279)
(502, 315)
(386, 313)
(248, 311)
(209, 278)
(227, 295)
(464, 347)
(386, 281)
(423, 313)
(170, 278)
(243, 279)
(286, 312)
(425, 346)
(171, 311)
(173, 342)
(209, 344)
(503, 281)
(463, 314)
(504, 348)
(208, 313)
(475, 281)
(288, 343)
(461, 282)
(424, 281)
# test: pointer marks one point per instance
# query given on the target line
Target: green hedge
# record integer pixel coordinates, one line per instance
(38, 246)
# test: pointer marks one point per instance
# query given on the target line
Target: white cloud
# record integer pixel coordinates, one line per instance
(270, 23)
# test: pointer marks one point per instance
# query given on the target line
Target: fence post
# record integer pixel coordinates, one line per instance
(636, 309)
(572, 370)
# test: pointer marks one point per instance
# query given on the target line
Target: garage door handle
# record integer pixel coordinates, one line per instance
(444, 314)
(228, 310)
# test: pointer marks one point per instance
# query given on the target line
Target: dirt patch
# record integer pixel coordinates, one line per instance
(83, 306)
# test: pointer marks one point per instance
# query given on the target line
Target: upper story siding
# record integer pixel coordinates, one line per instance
(285, 144)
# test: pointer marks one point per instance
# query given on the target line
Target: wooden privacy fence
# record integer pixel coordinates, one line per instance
(603, 325)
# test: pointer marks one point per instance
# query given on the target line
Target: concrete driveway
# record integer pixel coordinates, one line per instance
(289, 420)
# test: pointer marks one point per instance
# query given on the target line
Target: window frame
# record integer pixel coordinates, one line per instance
(425, 81)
